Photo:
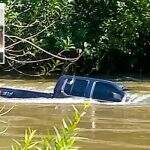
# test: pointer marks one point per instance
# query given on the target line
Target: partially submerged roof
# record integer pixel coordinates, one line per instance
(92, 80)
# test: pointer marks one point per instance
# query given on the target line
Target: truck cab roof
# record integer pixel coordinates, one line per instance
(101, 90)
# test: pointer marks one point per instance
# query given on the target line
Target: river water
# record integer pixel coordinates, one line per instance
(121, 126)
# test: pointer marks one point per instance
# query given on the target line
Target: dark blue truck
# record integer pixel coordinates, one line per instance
(74, 86)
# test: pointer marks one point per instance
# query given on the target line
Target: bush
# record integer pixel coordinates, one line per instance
(105, 29)
(110, 28)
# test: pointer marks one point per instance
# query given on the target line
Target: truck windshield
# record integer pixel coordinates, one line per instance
(76, 88)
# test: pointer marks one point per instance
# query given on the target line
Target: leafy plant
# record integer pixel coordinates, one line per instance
(62, 139)
(28, 141)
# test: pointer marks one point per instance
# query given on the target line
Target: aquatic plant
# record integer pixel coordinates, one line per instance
(62, 139)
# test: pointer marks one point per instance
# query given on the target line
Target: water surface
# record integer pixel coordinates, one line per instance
(111, 126)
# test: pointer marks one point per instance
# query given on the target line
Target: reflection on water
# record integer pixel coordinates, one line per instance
(111, 126)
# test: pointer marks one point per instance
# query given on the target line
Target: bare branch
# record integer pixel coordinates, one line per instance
(23, 72)
(41, 49)
(28, 37)
(73, 62)
(23, 26)
(27, 62)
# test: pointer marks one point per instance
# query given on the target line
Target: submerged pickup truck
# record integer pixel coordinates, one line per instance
(74, 86)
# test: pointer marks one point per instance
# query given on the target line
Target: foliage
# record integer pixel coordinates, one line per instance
(109, 32)
(44, 23)
(63, 139)
(111, 28)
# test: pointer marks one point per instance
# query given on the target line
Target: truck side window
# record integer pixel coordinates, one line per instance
(79, 87)
(102, 91)
(76, 88)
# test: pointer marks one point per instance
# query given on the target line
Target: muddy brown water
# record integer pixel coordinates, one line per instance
(104, 127)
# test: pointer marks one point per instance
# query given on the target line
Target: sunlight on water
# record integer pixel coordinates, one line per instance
(134, 99)
(44, 100)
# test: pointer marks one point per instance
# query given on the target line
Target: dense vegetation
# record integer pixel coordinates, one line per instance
(105, 36)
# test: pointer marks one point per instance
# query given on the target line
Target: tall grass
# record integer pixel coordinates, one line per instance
(61, 139)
